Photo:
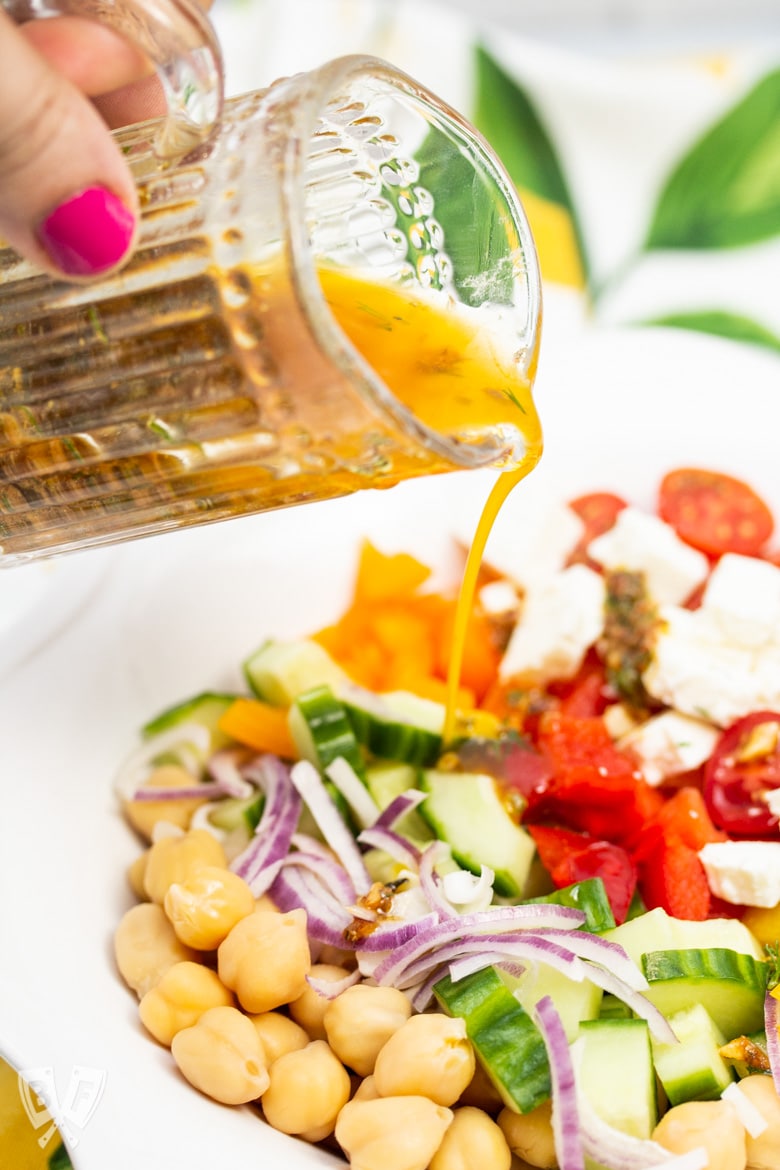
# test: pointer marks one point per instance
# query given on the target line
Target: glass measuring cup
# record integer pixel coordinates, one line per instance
(338, 291)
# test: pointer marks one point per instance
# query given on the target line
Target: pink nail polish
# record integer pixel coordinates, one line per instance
(89, 233)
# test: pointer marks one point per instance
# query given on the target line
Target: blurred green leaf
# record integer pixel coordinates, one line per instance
(59, 1159)
(726, 191)
(721, 324)
(472, 214)
(507, 117)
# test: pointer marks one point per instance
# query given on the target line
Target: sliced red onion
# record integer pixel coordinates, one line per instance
(523, 945)
(402, 804)
(326, 921)
(192, 742)
(332, 988)
(465, 889)
(772, 1037)
(259, 863)
(497, 919)
(224, 769)
(565, 1117)
(751, 1117)
(393, 934)
(468, 964)
(354, 791)
(641, 1006)
(430, 881)
(393, 843)
(196, 792)
(609, 954)
(308, 783)
(332, 876)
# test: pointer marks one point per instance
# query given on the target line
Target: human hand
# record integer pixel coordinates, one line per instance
(68, 201)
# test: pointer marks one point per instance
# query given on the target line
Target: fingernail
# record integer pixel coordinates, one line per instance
(89, 233)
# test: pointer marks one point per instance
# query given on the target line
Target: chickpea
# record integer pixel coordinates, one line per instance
(222, 1055)
(472, 1142)
(360, 1021)
(530, 1135)
(136, 876)
(366, 1090)
(173, 859)
(429, 1056)
(309, 1008)
(763, 1152)
(205, 907)
(143, 815)
(145, 946)
(482, 1093)
(392, 1133)
(714, 1125)
(183, 994)
(307, 1089)
(278, 1034)
(265, 959)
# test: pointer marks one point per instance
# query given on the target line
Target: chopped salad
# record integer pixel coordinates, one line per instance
(554, 937)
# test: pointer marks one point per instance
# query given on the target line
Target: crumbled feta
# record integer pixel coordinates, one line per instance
(499, 598)
(668, 744)
(743, 598)
(562, 617)
(745, 873)
(533, 549)
(644, 543)
(700, 672)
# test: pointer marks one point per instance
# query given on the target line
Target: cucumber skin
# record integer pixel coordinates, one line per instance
(506, 1040)
(731, 985)
(212, 704)
(590, 896)
(693, 1069)
(319, 717)
(392, 739)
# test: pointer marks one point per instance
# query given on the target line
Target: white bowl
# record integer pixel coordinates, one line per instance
(177, 614)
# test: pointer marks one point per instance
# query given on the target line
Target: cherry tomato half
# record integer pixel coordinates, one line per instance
(744, 767)
(714, 512)
(598, 512)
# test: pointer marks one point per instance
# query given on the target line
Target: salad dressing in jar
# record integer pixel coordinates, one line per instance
(339, 292)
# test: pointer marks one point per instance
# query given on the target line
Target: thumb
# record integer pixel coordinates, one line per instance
(67, 199)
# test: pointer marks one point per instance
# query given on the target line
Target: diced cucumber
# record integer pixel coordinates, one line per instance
(396, 725)
(658, 931)
(385, 780)
(613, 1008)
(590, 896)
(238, 813)
(730, 985)
(321, 730)
(280, 671)
(692, 1069)
(205, 709)
(465, 810)
(574, 1000)
(506, 1040)
(615, 1071)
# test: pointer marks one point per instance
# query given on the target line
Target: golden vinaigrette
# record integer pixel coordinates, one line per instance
(453, 379)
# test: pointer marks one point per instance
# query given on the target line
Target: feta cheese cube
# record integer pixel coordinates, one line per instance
(668, 744)
(618, 720)
(697, 673)
(499, 598)
(643, 543)
(561, 618)
(746, 873)
(530, 548)
(743, 598)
